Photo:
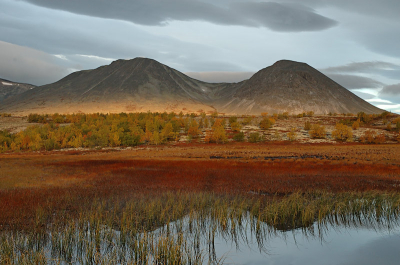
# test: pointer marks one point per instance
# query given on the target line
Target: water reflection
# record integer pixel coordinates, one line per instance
(340, 246)
(207, 239)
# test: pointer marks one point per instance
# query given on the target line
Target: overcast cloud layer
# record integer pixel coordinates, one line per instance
(273, 15)
(355, 42)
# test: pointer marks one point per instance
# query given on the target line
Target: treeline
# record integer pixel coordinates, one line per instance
(111, 130)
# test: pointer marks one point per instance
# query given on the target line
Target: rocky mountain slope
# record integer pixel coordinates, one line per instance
(146, 85)
(9, 89)
(293, 87)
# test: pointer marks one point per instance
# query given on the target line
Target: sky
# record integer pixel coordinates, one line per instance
(354, 42)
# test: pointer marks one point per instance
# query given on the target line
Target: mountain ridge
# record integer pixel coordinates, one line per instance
(9, 89)
(143, 84)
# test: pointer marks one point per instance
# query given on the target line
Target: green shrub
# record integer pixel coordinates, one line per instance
(255, 137)
(239, 137)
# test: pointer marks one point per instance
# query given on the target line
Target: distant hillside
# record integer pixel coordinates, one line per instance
(146, 85)
(293, 87)
(9, 89)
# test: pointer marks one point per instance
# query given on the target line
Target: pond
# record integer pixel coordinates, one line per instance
(351, 242)
(368, 233)
(339, 245)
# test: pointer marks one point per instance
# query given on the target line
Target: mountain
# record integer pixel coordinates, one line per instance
(141, 84)
(9, 89)
(293, 87)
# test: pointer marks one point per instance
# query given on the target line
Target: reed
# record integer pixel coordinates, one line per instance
(181, 227)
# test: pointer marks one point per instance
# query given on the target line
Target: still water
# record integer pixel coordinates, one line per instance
(348, 240)
(342, 246)
(363, 242)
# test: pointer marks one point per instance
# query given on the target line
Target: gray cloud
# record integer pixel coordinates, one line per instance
(220, 77)
(26, 65)
(361, 67)
(70, 35)
(284, 17)
(391, 90)
(354, 81)
(386, 69)
(391, 93)
(273, 15)
(382, 8)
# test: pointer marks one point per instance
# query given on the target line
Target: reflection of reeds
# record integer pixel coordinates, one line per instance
(180, 228)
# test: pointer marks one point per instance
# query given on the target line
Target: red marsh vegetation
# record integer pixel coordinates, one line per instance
(69, 182)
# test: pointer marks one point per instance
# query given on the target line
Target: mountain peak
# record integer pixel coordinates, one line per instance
(290, 65)
(136, 60)
(143, 84)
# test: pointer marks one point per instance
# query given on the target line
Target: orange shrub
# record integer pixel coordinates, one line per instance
(356, 125)
(371, 137)
(317, 132)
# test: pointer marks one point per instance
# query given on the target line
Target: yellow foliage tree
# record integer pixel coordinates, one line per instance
(356, 125)
(168, 131)
(194, 129)
(342, 133)
(317, 132)
(218, 132)
(292, 135)
(236, 127)
(266, 123)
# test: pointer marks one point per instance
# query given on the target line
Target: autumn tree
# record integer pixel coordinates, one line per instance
(156, 139)
(218, 132)
(266, 123)
(236, 127)
(232, 119)
(292, 135)
(206, 123)
(167, 132)
(356, 125)
(342, 133)
(193, 130)
(148, 134)
(317, 132)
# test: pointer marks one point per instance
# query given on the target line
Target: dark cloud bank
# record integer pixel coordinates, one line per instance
(273, 15)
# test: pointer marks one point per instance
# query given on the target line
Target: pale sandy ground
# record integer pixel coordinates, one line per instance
(14, 124)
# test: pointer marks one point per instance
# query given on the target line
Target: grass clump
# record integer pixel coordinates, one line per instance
(178, 228)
